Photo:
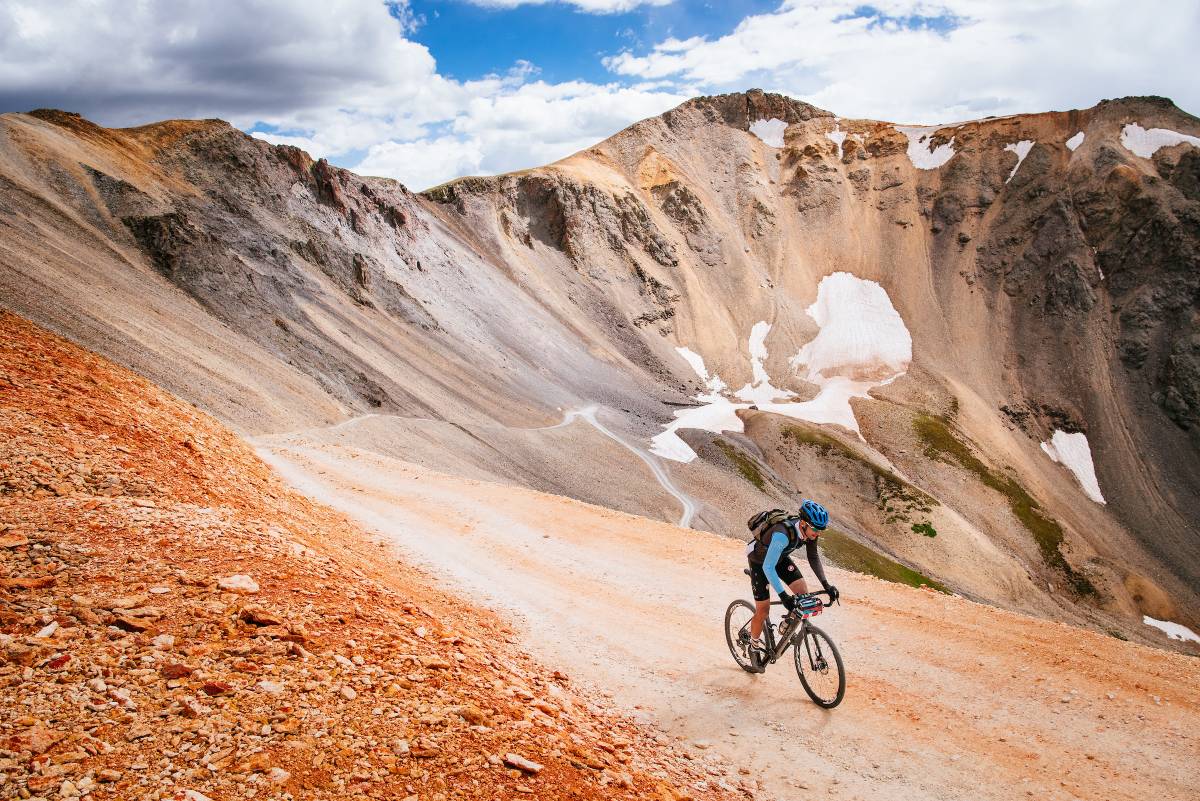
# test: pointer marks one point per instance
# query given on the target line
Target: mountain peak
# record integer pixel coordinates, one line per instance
(739, 109)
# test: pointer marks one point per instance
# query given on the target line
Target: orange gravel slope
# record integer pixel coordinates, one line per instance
(177, 623)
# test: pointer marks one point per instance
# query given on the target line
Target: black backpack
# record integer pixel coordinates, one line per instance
(762, 522)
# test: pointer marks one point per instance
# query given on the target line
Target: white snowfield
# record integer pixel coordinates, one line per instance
(717, 414)
(1022, 149)
(1073, 452)
(837, 136)
(1175, 631)
(1145, 143)
(758, 352)
(921, 152)
(862, 336)
(863, 343)
(1075, 141)
(770, 131)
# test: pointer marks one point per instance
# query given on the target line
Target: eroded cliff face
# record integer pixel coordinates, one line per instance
(1046, 269)
(1044, 265)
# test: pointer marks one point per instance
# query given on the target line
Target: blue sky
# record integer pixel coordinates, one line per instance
(564, 43)
(428, 90)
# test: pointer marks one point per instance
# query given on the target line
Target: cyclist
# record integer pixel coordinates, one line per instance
(769, 554)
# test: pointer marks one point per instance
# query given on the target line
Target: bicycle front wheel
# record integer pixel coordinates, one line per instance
(737, 633)
(819, 666)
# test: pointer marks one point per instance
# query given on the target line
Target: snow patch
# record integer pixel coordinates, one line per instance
(713, 382)
(1175, 631)
(831, 406)
(759, 391)
(1022, 149)
(716, 415)
(863, 343)
(837, 136)
(770, 131)
(696, 361)
(921, 151)
(1141, 142)
(1075, 141)
(862, 336)
(1073, 452)
(758, 350)
(718, 412)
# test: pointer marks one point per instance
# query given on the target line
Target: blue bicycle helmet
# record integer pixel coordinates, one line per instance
(815, 514)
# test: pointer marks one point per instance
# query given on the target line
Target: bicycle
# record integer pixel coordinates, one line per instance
(823, 680)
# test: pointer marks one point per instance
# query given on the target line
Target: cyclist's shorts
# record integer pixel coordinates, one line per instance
(785, 567)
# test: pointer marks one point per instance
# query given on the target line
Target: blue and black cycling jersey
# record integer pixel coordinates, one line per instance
(770, 560)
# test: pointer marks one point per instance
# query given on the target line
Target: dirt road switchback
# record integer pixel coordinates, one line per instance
(946, 699)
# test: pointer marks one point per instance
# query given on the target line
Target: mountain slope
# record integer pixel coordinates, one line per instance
(997, 267)
(176, 623)
(1003, 282)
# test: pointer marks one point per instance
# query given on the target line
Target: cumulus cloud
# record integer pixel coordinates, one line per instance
(116, 61)
(917, 61)
(534, 123)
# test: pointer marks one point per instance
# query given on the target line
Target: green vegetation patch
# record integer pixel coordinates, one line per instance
(853, 555)
(744, 464)
(941, 444)
(899, 501)
(925, 528)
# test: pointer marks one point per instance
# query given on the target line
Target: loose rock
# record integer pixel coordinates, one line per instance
(521, 763)
(239, 582)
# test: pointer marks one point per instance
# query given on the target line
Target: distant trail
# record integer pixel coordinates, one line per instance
(351, 421)
(588, 414)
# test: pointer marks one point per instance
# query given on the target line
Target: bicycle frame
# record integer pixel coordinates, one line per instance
(794, 631)
(786, 637)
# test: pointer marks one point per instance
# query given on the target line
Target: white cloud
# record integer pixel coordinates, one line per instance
(117, 61)
(961, 59)
(424, 162)
(589, 6)
(532, 124)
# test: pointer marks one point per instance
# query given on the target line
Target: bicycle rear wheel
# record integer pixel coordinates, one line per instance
(737, 633)
(819, 666)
